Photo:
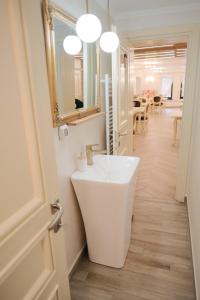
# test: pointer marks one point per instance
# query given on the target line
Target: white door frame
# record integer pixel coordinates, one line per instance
(191, 97)
(120, 128)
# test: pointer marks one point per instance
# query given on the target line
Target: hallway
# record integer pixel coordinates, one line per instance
(158, 265)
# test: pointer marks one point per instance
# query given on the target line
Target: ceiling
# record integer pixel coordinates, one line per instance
(131, 16)
(160, 65)
(120, 7)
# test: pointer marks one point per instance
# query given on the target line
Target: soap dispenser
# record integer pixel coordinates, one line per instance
(82, 160)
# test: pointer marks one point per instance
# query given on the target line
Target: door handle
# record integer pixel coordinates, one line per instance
(56, 222)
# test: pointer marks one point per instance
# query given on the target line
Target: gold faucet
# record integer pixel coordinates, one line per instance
(90, 153)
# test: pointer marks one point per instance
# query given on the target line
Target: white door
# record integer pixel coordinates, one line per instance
(120, 80)
(32, 258)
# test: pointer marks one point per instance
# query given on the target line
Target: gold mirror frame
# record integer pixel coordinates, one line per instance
(49, 12)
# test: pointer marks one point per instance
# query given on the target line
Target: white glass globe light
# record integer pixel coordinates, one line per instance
(88, 28)
(72, 44)
(109, 42)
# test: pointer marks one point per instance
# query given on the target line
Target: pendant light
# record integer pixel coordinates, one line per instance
(109, 40)
(72, 44)
(88, 27)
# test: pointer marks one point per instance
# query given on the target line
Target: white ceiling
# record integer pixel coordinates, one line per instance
(120, 7)
(133, 15)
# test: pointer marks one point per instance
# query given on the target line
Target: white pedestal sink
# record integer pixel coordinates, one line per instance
(105, 194)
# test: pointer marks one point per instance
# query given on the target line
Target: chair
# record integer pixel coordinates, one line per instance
(142, 118)
(134, 128)
(136, 103)
(157, 103)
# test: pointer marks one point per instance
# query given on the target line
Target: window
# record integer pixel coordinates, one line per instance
(167, 87)
(182, 88)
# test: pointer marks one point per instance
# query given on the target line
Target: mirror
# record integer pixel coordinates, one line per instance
(73, 79)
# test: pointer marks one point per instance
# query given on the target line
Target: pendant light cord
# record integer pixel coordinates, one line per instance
(109, 8)
(87, 7)
(109, 16)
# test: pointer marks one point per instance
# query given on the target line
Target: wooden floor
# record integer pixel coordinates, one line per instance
(158, 265)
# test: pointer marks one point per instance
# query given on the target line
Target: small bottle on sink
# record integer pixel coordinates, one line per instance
(82, 160)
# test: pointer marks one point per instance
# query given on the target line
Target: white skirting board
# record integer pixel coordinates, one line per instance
(76, 261)
(193, 256)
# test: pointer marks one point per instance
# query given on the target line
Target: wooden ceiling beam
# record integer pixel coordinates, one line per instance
(158, 56)
(161, 49)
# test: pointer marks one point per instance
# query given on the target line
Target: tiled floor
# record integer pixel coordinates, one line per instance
(159, 264)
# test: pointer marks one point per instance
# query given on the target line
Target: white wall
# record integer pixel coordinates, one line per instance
(177, 78)
(194, 204)
(90, 132)
(157, 69)
(194, 189)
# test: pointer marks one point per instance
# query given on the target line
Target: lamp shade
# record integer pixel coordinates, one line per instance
(72, 44)
(109, 42)
(88, 28)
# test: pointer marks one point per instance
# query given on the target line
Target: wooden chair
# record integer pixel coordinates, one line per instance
(157, 103)
(144, 100)
(136, 103)
(135, 127)
(142, 120)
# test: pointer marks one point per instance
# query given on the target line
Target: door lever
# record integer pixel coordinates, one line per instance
(56, 222)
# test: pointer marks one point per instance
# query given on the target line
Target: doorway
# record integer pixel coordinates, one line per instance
(160, 68)
(190, 36)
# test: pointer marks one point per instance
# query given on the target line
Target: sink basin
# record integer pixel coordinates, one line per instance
(105, 194)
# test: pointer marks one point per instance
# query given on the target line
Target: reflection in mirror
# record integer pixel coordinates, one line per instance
(73, 79)
(76, 76)
(90, 67)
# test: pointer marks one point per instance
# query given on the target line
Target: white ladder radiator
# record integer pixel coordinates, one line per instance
(109, 114)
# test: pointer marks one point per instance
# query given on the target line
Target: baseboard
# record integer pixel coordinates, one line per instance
(75, 264)
(193, 256)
